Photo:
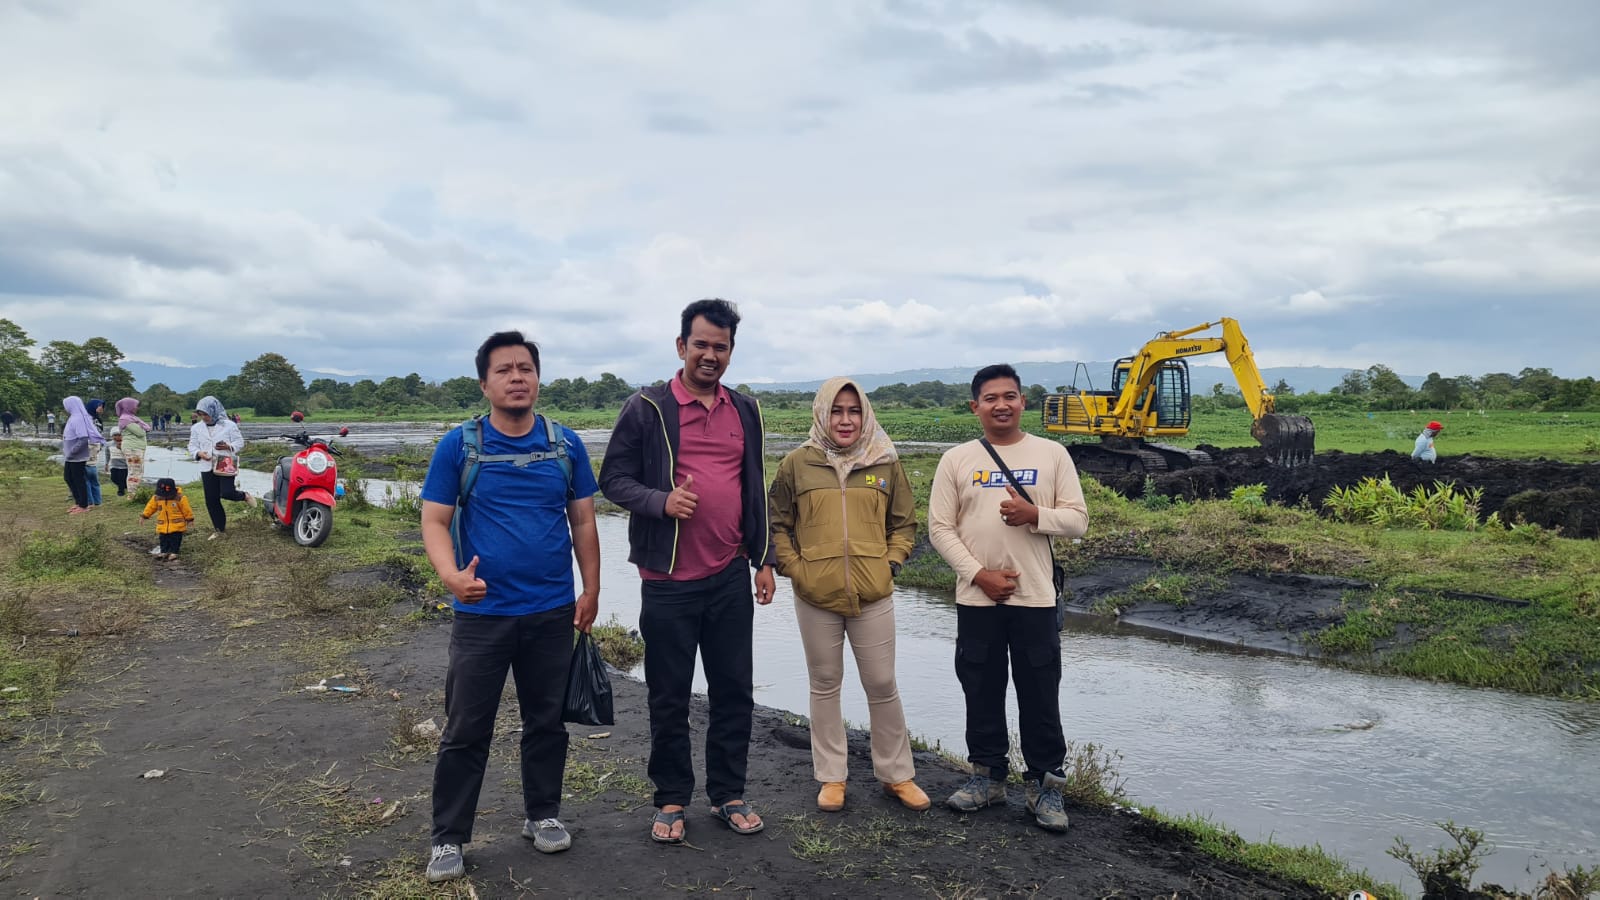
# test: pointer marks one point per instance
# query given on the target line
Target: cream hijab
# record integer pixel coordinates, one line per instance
(871, 448)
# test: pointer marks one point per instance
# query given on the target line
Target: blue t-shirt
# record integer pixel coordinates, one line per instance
(516, 520)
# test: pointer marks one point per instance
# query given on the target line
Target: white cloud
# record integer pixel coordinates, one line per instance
(373, 187)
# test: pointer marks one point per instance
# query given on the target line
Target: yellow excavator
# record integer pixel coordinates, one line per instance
(1149, 398)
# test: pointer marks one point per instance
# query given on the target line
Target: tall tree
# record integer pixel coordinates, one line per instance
(463, 391)
(90, 369)
(272, 385)
(158, 398)
(1388, 390)
(1353, 384)
(1439, 392)
(20, 388)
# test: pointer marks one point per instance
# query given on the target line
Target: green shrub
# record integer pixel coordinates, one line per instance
(1249, 501)
(1152, 499)
(1376, 501)
(405, 499)
(1445, 873)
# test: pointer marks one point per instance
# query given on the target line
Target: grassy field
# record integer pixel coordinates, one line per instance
(1573, 437)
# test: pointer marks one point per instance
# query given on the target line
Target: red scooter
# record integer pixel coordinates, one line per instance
(304, 487)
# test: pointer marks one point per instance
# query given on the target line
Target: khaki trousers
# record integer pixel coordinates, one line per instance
(871, 637)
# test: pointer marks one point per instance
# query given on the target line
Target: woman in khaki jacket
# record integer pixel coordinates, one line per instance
(843, 522)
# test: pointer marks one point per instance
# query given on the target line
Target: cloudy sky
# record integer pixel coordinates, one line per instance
(370, 188)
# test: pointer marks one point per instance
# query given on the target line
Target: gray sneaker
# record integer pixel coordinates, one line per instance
(1046, 803)
(979, 791)
(447, 863)
(548, 835)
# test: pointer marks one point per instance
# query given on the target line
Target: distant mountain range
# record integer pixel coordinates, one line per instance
(1303, 379)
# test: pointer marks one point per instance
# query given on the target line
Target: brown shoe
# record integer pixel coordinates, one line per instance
(831, 797)
(909, 794)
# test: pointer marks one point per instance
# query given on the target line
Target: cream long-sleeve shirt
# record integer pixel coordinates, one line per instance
(964, 522)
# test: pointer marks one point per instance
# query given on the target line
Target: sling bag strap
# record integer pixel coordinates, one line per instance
(1058, 575)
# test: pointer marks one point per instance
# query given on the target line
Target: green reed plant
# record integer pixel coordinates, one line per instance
(1376, 501)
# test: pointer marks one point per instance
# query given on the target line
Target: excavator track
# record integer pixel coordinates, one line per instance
(1098, 459)
(1180, 457)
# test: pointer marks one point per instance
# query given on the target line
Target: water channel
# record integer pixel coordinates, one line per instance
(1271, 746)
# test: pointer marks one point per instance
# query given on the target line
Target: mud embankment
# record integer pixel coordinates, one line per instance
(1539, 491)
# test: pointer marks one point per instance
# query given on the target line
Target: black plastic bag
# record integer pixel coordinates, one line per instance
(588, 700)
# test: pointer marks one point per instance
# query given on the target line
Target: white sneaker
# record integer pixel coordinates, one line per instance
(446, 863)
(214, 535)
(155, 551)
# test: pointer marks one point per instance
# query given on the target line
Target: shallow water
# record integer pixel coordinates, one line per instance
(1270, 746)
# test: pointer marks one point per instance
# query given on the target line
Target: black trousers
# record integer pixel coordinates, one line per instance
(537, 648)
(714, 615)
(119, 477)
(984, 637)
(219, 488)
(77, 476)
(171, 542)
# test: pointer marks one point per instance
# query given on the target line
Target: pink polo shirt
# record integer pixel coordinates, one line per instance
(711, 448)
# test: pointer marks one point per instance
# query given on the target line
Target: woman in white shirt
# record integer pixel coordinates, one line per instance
(215, 442)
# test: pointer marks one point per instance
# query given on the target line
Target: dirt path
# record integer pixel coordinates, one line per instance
(273, 791)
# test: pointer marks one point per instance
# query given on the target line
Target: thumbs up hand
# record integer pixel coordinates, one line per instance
(682, 501)
(1016, 511)
(466, 584)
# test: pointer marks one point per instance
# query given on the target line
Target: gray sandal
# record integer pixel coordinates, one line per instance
(662, 817)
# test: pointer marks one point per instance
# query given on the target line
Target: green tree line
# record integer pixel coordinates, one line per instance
(1379, 388)
(31, 384)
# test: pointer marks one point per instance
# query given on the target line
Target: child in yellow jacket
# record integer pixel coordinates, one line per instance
(173, 516)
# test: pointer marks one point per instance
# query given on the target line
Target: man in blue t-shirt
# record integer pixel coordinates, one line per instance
(512, 581)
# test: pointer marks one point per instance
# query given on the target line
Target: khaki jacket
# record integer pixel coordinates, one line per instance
(834, 544)
(171, 515)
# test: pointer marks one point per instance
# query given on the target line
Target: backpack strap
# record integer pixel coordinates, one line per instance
(473, 459)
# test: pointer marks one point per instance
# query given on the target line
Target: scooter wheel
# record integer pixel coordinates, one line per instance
(313, 522)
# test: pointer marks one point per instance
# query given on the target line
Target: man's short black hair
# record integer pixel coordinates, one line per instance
(721, 313)
(504, 339)
(990, 373)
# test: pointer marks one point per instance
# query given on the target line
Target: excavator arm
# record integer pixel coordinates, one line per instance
(1288, 440)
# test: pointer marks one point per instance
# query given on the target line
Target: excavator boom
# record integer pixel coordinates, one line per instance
(1150, 398)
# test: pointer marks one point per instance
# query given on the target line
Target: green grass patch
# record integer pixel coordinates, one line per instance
(619, 645)
(1311, 865)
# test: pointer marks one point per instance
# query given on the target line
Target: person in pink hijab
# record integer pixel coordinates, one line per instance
(135, 440)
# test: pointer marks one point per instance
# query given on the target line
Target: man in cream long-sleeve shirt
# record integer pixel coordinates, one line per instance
(999, 545)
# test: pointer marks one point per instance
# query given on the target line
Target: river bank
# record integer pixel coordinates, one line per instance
(197, 741)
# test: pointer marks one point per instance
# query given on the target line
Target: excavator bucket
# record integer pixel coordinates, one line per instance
(1288, 440)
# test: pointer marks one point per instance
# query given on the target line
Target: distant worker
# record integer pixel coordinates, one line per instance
(1424, 448)
(6, 418)
(297, 416)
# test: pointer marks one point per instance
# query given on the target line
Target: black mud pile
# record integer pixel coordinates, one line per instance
(1542, 492)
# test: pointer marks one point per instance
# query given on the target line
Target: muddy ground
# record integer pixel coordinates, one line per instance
(268, 790)
(1544, 492)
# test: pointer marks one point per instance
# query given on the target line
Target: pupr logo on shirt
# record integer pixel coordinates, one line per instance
(995, 478)
(877, 481)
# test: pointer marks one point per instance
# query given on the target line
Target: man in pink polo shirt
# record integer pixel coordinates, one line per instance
(685, 460)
